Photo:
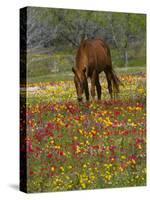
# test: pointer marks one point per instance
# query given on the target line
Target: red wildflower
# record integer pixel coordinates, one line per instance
(50, 125)
(49, 155)
(31, 172)
(61, 153)
(117, 113)
(29, 146)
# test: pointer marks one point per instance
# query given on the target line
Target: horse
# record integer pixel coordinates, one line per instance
(93, 57)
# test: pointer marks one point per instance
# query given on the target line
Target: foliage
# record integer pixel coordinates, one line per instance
(62, 29)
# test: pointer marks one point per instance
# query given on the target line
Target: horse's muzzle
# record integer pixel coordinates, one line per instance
(79, 99)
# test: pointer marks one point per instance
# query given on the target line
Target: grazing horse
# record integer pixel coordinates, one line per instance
(93, 56)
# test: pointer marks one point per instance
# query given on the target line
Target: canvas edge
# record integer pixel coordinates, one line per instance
(23, 80)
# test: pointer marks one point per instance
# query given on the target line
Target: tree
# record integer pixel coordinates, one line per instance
(128, 31)
(62, 29)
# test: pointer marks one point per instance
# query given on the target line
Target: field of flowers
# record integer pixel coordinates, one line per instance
(87, 146)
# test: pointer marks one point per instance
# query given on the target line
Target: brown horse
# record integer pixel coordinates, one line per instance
(93, 57)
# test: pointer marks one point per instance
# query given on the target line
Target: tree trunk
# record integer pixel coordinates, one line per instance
(126, 58)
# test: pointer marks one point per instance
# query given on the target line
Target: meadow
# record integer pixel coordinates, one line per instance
(92, 145)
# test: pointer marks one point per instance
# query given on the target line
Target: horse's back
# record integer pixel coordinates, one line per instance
(95, 54)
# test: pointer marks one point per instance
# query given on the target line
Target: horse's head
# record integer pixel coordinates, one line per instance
(79, 80)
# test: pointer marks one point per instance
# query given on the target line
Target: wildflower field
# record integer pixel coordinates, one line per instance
(100, 144)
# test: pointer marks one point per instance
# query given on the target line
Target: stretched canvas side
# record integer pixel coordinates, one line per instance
(23, 82)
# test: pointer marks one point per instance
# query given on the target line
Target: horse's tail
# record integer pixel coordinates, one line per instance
(116, 81)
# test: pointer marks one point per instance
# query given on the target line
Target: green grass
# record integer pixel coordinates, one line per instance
(43, 66)
(68, 75)
(61, 76)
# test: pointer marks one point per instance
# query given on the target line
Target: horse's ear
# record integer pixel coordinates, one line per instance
(74, 70)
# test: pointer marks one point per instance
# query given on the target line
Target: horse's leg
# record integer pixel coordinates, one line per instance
(108, 77)
(98, 87)
(93, 77)
(86, 89)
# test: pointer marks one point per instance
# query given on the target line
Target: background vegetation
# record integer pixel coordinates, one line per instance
(53, 36)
